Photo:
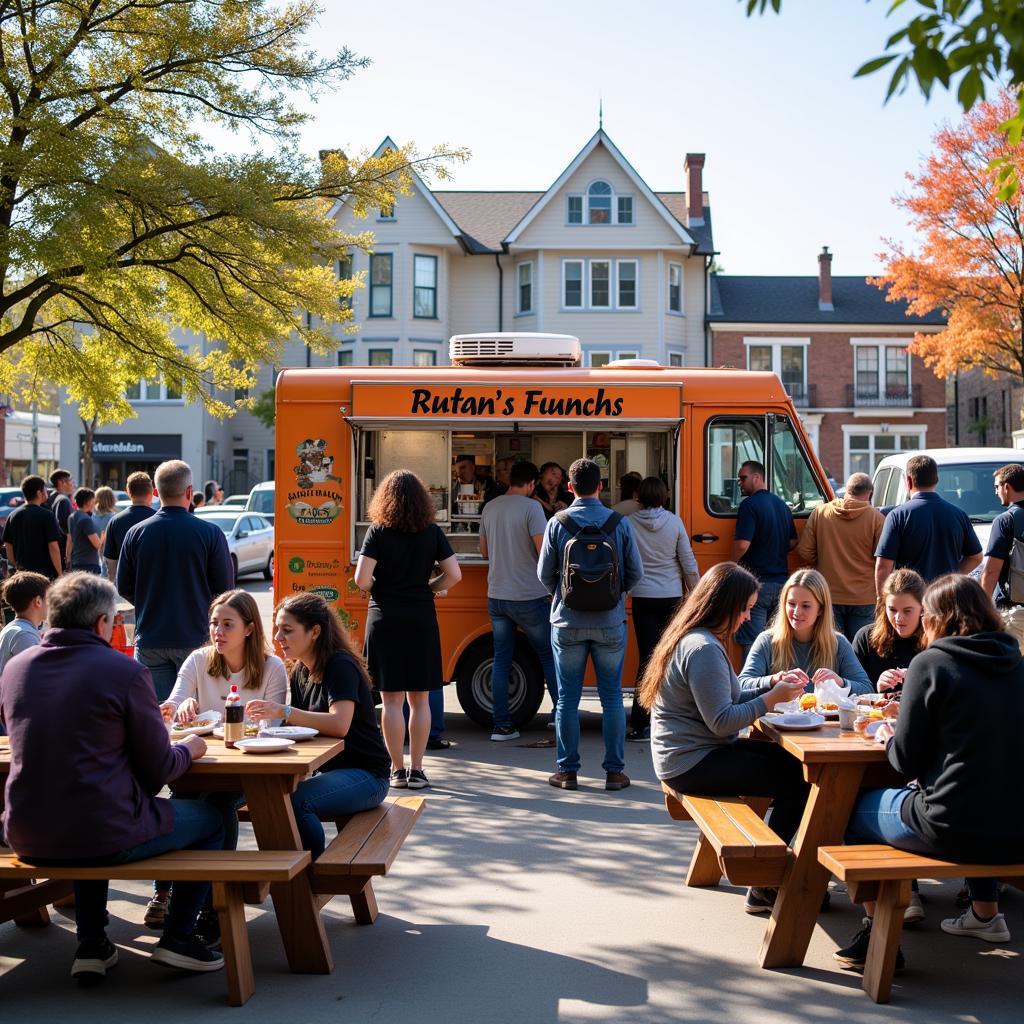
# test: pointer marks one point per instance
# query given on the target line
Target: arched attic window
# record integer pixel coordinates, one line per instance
(600, 204)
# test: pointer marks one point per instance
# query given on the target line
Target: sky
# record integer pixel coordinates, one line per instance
(799, 153)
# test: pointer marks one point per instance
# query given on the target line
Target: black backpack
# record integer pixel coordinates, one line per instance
(591, 578)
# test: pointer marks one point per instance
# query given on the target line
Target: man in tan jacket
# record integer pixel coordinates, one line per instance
(839, 540)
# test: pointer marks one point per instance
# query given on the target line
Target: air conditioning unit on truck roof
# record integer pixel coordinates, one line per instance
(501, 349)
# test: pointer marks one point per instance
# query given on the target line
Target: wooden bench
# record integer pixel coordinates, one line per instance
(884, 874)
(228, 870)
(734, 839)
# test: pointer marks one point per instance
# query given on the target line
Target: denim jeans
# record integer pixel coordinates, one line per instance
(760, 615)
(851, 617)
(534, 619)
(331, 795)
(197, 826)
(226, 805)
(876, 818)
(572, 647)
(163, 663)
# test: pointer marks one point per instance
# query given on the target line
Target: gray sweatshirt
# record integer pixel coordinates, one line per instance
(666, 553)
(700, 706)
(756, 673)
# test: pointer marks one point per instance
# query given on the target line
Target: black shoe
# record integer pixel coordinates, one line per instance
(504, 732)
(437, 743)
(854, 956)
(417, 780)
(186, 954)
(638, 735)
(92, 961)
(760, 899)
(207, 929)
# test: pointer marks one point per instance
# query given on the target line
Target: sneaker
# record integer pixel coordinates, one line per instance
(854, 956)
(438, 743)
(399, 779)
(563, 780)
(967, 924)
(417, 780)
(504, 732)
(156, 911)
(638, 735)
(93, 959)
(616, 780)
(186, 955)
(207, 929)
(760, 900)
(915, 909)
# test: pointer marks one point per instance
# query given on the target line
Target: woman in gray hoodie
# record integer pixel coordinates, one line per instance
(670, 572)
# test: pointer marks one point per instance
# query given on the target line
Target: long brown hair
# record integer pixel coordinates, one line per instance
(715, 604)
(256, 649)
(402, 502)
(823, 639)
(882, 638)
(311, 610)
(957, 606)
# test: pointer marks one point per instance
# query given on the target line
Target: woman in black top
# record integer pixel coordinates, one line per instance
(403, 645)
(330, 691)
(885, 648)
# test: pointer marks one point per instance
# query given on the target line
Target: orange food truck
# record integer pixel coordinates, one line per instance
(340, 431)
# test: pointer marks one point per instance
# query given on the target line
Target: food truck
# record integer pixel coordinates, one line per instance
(509, 397)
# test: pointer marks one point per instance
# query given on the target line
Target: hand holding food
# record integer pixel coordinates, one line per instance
(167, 710)
(782, 691)
(826, 675)
(891, 678)
(891, 710)
(792, 675)
(188, 709)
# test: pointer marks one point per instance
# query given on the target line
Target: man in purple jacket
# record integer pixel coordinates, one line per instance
(89, 753)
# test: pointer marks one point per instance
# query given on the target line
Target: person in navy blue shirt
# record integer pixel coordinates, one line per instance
(926, 533)
(765, 533)
(172, 566)
(1006, 528)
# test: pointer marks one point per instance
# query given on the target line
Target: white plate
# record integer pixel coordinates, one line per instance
(298, 733)
(833, 715)
(194, 730)
(795, 720)
(259, 745)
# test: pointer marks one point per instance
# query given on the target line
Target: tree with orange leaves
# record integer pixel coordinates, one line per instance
(970, 262)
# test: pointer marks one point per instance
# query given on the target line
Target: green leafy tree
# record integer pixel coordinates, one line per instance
(264, 408)
(125, 237)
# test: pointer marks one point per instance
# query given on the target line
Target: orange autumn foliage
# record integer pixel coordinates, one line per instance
(970, 262)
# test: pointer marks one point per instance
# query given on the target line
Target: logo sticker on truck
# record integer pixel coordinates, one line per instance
(314, 467)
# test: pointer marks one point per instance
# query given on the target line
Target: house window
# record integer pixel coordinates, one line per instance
(163, 389)
(574, 211)
(345, 356)
(600, 358)
(605, 356)
(881, 373)
(759, 357)
(627, 283)
(786, 359)
(867, 446)
(866, 371)
(794, 371)
(675, 359)
(386, 212)
(380, 357)
(610, 284)
(599, 203)
(134, 391)
(345, 274)
(572, 284)
(625, 210)
(897, 371)
(381, 266)
(524, 289)
(424, 357)
(600, 284)
(675, 288)
(424, 292)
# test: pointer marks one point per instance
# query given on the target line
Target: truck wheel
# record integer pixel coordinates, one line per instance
(525, 683)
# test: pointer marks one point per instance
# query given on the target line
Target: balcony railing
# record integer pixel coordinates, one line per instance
(894, 397)
(804, 395)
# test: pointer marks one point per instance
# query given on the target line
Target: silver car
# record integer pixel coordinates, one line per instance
(250, 539)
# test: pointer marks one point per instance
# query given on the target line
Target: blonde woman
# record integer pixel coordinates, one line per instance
(105, 510)
(802, 643)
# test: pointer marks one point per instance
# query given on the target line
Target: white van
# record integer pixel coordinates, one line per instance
(965, 479)
(261, 500)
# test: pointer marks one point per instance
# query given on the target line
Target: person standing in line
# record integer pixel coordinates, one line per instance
(60, 505)
(629, 486)
(1007, 531)
(25, 592)
(511, 534)
(171, 567)
(839, 540)
(105, 510)
(551, 492)
(579, 635)
(403, 643)
(765, 534)
(140, 490)
(84, 534)
(502, 473)
(31, 534)
(670, 571)
(213, 493)
(926, 533)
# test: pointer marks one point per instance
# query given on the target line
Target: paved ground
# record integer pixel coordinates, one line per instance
(514, 902)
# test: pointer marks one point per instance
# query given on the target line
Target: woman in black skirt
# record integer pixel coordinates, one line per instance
(403, 645)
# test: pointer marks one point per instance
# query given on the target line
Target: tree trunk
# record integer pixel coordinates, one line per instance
(90, 431)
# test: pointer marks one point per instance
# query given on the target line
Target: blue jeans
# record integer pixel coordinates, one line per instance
(760, 615)
(607, 648)
(163, 663)
(851, 617)
(876, 818)
(197, 826)
(334, 794)
(226, 805)
(533, 618)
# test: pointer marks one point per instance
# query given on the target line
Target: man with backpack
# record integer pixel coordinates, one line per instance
(588, 561)
(1002, 572)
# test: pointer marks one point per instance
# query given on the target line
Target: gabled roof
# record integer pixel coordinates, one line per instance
(782, 300)
(487, 217)
(599, 138)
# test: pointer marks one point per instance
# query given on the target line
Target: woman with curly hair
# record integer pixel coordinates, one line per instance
(403, 646)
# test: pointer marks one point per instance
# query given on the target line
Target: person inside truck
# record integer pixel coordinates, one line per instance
(466, 473)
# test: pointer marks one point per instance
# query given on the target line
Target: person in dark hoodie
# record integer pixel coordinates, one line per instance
(670, 572)
(967, 804)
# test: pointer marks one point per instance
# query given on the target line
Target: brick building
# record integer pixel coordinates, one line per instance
(984, 410)
(840, 349)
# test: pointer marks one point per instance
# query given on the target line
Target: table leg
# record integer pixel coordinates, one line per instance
(834, 789)
(298, 916)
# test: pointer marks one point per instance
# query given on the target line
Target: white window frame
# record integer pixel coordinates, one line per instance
(613, 354)
(874, 430)
(371, 352)
(610, 264)
(160, 387)
(613, 221)
(882, 344)
(520, 310)
(681, 356)
(424, 352)
(777, 345)
(636, 283)
(432, 260)
(672, 267)
(586, 298)
(583, 285)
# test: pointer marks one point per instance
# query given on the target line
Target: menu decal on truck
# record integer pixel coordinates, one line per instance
(314, 467)
(530, 402)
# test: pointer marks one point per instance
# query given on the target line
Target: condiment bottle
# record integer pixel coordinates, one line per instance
(234, 717)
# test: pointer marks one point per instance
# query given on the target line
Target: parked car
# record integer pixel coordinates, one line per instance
(261, 499)
(965, 479)
(250, 539)
(126, 502)
(10, 499)
(235, 501)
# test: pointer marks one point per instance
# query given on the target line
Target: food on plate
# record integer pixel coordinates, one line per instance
(808, 701)
(252, 729)
(199, 723)
(875, 714)
(828, 707)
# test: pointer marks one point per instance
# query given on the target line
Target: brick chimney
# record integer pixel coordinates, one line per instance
(694, 168)
(825, 280)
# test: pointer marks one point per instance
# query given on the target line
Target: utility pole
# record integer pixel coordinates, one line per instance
(35, 439)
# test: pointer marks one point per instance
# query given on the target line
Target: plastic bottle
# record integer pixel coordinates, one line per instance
(234, 717)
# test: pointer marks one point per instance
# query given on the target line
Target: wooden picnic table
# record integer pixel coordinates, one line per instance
(268, 780)
(837, 765)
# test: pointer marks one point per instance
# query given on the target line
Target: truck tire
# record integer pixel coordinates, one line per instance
(525, 682)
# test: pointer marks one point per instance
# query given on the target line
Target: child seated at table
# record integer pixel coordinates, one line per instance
(958, 735)
(803, 642)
